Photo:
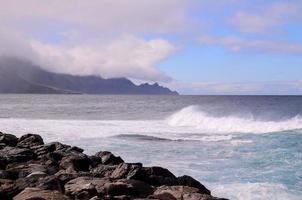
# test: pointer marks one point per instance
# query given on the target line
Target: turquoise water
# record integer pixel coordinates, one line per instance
(241, 147)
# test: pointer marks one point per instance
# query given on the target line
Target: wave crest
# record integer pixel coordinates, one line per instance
(191, 116)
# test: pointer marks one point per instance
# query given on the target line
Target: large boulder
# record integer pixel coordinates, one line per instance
(103, 170)
(39, 180)
(30, 140)
(173, 192)
(21, 170)
(155, 176)
(8, 139)
(129, 188)
(181, 193)
(39, 194)
(126, 170)
(85, 187)
(75, 162)
(13, 154)
(139, 188)
(191, 182)
(107, 158)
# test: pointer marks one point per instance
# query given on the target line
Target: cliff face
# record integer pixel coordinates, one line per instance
(18, 76)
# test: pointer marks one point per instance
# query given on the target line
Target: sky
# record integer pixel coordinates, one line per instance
(192, 46)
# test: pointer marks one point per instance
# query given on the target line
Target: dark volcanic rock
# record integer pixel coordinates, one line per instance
(173, 192)
(21, 170)
(32, 170)
(85, 187)
(7, 189)
(126, 170)
(107, 158)
(8, 139)
(39, 194)
(30, 140)
(75, 162)
(103, 170)
(156, 176)
(189, 181)
(12, 154)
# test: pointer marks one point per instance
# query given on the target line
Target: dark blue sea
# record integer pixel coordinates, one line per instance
(240, 147)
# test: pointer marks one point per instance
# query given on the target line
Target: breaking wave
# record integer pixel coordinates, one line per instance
(191, 116)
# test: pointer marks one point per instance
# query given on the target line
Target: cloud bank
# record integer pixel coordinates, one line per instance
(94, 37)
(125, 56)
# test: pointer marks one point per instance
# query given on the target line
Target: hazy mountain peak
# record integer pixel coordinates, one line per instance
(20, 76)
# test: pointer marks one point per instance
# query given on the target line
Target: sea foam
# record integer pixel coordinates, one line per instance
(254, 191)
(192, 116)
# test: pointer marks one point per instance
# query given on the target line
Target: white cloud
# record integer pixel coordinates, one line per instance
(125, 56)
(238, 44)
(247, 22)
(96, 37)
(13, 44)
(264, 18)
(127, 16)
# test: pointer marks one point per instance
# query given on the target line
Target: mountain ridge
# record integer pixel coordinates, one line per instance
(19, 76)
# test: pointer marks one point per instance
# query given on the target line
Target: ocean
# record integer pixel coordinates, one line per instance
(240, 147)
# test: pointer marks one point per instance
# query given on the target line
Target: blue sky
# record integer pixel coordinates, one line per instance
(192, 46)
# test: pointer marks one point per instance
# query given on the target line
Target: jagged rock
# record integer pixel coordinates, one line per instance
(38, 194)
(102, 170)
(8, 139)
(59, 146)
(155, 176)
(42, 182)
(191, 182)
(64, 176)
(128, 187)
(7, 189)
(198, 196)
(164, 196)
(41, 150)
(173, 192)
(75, 149)
(76, 162)
(21, 170)
(118, 188)
(30, 140)
(85, 187)
(126, 170)
(139, 188)
(13, 154)
(107, 158)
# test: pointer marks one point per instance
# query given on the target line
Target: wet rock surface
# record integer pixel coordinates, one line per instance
(30, 169)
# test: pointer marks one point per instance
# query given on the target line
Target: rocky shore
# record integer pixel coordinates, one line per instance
(32, 170)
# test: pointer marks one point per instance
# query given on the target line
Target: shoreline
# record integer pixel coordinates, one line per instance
(30, 169)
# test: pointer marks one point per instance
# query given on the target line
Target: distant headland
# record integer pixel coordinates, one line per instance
(21, 77)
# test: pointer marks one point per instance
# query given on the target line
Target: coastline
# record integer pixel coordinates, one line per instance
(30, 169)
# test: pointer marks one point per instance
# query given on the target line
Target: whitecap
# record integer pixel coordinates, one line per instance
(193, 117)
